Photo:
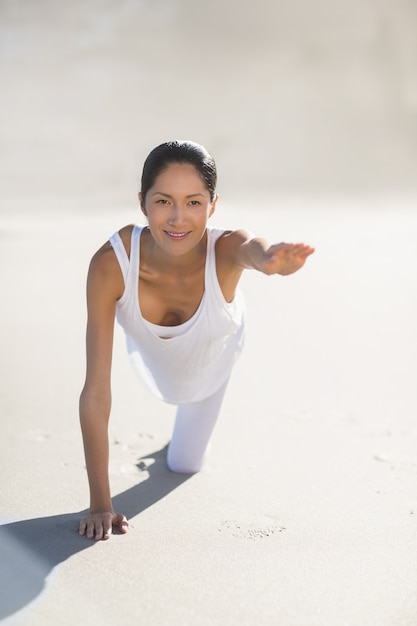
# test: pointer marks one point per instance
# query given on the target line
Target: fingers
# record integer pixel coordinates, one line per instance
(286, 258)
(302, 249)
(95, 527)
(291, 248)
(291, 251)
(83, 527)
(121, 523)
(98, 526)
(298, 248)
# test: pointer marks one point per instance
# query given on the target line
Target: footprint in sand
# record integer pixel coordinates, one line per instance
(251, 527)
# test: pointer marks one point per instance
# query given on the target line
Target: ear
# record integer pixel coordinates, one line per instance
(213, 205)
(142, 204)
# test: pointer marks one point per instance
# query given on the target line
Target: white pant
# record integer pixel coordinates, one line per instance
(193, 428)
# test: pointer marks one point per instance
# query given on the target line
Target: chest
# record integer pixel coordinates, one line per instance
(170, 299)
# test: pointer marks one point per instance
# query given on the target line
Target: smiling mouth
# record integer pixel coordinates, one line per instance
(177, 236)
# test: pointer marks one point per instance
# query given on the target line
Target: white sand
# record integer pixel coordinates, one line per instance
(306, 513)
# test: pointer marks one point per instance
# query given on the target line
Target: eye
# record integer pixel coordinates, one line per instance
(194, 203)
(162, 201)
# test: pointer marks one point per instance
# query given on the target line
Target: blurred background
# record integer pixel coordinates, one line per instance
(302, 98)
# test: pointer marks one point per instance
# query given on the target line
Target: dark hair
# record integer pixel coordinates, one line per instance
(179, 152)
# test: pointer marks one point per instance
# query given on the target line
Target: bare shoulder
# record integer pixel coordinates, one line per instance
(229, 266)
(126, 236)
(229, 245)
(104, 271)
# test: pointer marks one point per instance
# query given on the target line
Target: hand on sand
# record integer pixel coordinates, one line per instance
(286, 258)
(100, 525)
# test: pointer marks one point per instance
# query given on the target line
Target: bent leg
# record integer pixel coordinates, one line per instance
(194, 425)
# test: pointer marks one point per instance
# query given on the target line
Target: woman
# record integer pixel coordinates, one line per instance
(173, 287)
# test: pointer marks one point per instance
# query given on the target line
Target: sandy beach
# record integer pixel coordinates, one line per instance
(306, 511)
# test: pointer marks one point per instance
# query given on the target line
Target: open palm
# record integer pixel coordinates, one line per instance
(286, 258)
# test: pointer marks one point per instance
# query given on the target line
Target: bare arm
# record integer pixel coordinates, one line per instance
(237, 250)
(282, 258)
(104, 286)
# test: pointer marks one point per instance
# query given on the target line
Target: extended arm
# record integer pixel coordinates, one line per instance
(103, 287)
(282, 258)
(237, 250)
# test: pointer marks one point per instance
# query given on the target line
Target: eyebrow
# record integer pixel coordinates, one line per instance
(167, 195)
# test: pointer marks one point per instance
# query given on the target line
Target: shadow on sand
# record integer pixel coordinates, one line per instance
(30, 549)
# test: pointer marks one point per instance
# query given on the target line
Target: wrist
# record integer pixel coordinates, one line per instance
(103, 506)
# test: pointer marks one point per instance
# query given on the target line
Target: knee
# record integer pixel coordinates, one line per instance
(183, 461)
(180, 466)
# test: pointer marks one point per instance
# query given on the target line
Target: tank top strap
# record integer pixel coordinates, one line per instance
(135, 252)
(211, 282)
(121, 254)
(129, 267)
(214, 235)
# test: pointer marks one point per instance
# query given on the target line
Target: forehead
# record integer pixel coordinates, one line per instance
(177, 176)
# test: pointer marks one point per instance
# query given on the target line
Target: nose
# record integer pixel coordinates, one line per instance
(176, 216)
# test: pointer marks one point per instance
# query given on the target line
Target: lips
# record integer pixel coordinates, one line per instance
(175, 235)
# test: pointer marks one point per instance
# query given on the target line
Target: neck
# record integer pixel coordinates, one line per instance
(186, 263)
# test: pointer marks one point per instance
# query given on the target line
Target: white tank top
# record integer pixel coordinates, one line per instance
(189, 362)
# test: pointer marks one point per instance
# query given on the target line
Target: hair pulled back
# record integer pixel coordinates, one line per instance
(187, 152)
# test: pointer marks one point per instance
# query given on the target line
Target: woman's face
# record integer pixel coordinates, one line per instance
(178, 206)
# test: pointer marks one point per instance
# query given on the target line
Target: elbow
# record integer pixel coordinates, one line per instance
(93, 403)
